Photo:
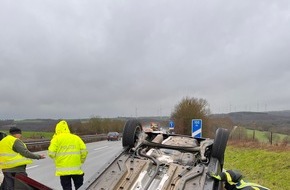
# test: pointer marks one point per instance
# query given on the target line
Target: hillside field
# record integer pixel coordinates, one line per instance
(263, 136)
(266, 165)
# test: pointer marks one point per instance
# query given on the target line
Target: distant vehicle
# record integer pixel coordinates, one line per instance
(113, 136)
(153, 160)
(154, 126)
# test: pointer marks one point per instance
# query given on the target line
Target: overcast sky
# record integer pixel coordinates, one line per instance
(109, 58)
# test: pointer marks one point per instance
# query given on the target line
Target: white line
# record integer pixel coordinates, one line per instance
(101, 148)
(32, 167)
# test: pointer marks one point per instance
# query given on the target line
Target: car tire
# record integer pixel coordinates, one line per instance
(131, 132)
(219, 145)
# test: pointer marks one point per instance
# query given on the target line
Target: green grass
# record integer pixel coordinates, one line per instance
(37, 135)
(270, 168)
(259, 135)
(34, 134)
(263, 136)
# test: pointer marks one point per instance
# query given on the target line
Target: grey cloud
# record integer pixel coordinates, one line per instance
(82, 58)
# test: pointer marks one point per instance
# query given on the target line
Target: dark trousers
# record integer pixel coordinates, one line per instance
(65, 181)
(9, 180)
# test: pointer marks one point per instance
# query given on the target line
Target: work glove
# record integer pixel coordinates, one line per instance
(213, 175)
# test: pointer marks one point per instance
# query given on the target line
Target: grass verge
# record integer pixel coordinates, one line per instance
(34, 135)
(266, 165)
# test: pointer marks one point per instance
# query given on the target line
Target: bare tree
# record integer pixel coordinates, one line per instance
(188, 109)
(215, 123)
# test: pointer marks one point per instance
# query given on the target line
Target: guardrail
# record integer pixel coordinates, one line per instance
(42, 144)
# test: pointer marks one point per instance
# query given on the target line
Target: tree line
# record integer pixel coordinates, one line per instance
(184, 111)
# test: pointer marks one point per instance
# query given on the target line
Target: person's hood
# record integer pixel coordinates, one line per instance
(61, 127)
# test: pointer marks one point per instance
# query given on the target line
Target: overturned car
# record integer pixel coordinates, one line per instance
(159, 161)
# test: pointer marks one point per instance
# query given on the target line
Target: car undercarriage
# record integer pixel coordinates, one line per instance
(160, 161)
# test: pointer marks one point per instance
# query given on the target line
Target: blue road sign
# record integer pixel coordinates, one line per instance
(196, 125)
(171, 125)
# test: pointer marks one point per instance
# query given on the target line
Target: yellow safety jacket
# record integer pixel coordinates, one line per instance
(233, 181)
(67, 150)
(8, 157)
(242, 184)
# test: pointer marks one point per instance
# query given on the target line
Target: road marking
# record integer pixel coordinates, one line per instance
(32, 167)
(101, 148)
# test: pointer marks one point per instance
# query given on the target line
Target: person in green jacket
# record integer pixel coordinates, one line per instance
(69, 152)
(14, 156)
(233, 181)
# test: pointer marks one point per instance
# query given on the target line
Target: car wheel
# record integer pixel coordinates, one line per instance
(131, 132)
(220, 143)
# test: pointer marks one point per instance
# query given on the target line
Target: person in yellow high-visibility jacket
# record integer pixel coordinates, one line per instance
(69, 153)
(233, 181)
(14, 156)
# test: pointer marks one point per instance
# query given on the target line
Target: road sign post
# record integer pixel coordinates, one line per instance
(196, 125)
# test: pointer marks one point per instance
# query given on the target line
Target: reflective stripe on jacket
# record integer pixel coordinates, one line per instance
(8, 157)
(67, 150)
(233, 181)
(242, 185)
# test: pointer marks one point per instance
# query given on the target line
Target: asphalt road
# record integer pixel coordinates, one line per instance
(99, 155)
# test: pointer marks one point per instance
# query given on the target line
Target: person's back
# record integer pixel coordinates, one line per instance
(69, 152)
